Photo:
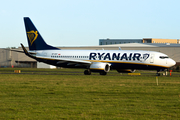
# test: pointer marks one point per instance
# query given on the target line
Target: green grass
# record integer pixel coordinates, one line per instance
(76, 96)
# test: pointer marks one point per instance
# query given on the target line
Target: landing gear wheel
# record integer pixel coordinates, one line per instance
(87, 72)
(103, 73)
(158, 74)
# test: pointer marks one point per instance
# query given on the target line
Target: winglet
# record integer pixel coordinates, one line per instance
(25, 51)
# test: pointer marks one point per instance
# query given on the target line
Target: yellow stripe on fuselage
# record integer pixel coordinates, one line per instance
(126, 63)
(96, 68)
(104, 61)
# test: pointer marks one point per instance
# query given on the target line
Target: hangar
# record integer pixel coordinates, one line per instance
(15, 59)
(10, 58)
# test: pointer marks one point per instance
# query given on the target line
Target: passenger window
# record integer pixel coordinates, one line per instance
(163, 57)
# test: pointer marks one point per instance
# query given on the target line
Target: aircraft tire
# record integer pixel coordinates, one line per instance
(103, 73)
(158, 74)
(87, 72)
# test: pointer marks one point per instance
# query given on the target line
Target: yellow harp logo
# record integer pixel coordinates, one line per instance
(32, 35)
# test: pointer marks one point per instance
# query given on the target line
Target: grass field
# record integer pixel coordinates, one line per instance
(76, 96)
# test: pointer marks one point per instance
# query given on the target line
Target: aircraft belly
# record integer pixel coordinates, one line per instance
(136, 66)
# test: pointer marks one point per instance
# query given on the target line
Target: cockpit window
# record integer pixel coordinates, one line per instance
(163, 57)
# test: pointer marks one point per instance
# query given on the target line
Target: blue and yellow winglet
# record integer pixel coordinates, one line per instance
(25, 51)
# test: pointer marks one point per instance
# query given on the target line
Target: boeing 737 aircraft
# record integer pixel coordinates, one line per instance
(93, 60)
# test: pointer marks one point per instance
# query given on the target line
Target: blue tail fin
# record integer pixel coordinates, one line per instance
(35, 40)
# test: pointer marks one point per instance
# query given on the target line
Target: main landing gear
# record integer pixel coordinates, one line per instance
(88, 72)
(158, 74)
(103, 73)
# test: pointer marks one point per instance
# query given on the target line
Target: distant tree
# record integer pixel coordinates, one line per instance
(11, 47)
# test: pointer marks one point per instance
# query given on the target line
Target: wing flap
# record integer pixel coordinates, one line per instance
(59, 60)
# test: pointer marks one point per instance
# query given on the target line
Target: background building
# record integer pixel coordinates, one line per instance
(15, 59)
(155, 40)
(118, 41)
(144, 40)
(10, 58)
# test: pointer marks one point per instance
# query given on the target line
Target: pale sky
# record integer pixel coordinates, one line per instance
(84, 22)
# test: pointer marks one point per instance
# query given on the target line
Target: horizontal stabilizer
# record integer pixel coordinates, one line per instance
(20, 51)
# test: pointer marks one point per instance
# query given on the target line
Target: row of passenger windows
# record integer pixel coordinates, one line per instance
(80, 57)
(162, 57)
(70, 56)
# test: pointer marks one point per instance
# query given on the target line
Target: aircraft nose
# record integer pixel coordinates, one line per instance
(172, 62)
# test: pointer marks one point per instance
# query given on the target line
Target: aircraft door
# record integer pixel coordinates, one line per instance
(152, 58)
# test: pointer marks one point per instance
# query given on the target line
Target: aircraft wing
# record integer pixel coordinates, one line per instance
(20, 51)
(14, 50)
(73, 61)
(67, 61)
(61, 60)
(58, 60)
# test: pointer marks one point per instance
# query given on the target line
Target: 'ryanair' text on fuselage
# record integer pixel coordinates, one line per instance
(119, 56)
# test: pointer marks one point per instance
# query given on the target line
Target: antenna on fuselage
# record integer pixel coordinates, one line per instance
(120, 48)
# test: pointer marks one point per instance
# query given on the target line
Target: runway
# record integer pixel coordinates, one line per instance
(74, 72)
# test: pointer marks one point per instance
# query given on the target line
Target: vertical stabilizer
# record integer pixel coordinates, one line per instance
(34, 38)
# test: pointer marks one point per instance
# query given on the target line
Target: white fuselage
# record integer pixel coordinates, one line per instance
(131, 57)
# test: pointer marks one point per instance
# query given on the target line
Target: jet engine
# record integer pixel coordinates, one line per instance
(126, 70)
(100, 67)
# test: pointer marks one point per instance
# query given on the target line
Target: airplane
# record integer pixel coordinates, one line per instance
(101, 61)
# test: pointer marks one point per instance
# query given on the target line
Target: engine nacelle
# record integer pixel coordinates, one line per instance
(125, 70)
(99, 66)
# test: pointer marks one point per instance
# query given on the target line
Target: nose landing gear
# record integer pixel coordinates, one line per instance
(164, 73)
